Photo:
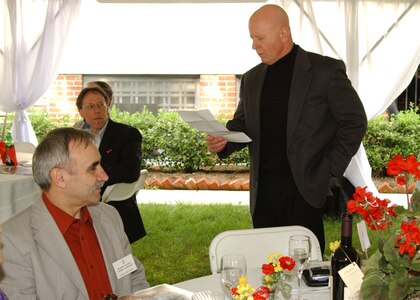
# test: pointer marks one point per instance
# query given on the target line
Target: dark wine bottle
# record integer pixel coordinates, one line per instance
(343, 256)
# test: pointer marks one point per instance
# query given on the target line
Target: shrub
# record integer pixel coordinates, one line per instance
(175, 146)
(386, 138)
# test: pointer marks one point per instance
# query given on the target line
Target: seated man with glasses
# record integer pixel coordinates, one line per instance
(120, 148)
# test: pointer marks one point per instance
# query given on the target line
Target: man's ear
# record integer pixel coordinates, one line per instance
(285, 33)
(81, 113)
(57, 177)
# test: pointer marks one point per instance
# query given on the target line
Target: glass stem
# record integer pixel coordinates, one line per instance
(299, 284)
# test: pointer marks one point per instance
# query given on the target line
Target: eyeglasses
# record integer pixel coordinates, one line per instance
(92, 106)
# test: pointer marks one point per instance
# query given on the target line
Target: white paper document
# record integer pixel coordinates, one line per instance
(203, 120)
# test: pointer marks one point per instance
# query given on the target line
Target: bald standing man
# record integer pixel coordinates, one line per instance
(305, 120)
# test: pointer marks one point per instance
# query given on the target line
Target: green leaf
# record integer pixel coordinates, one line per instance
(374, 287)
(414, 283)
(398, 289)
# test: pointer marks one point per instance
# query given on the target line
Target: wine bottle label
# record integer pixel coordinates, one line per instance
(351, 295)
(352, 277)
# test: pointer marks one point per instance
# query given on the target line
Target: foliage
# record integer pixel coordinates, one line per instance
(393, 272)
(144, 121)
(385, 138)
(175, 146)
(171, 143)
(40, 122)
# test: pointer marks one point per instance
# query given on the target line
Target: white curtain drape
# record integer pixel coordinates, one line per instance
(30, 51)
(378, 42)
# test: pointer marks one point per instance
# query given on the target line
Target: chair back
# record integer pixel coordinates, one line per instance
(3, 122)
(24, 147)
(122, 191)
(256, 244)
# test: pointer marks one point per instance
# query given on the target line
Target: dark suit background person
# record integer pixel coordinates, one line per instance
(64, 245)
(120, 149)
(305, 120)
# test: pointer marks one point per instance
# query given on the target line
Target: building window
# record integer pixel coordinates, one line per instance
(133, 92)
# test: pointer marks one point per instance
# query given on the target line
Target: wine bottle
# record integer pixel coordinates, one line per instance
(343, 256)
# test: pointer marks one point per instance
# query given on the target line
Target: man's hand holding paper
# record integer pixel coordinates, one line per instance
(203, 120)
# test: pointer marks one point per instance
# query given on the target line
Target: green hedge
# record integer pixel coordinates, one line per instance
(172, 144)
(400, 134)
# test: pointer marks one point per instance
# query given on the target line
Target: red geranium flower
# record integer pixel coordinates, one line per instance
(287, 263)
(409, 238)
(267, 269)
(234, 290)
(262, 293)
(395, 165)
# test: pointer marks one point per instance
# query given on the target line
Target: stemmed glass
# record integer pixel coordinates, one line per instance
(208, 295)
(233, 268)
(300, 250)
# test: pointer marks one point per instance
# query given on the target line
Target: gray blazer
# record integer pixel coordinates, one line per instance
(325, 125)
(38, 263)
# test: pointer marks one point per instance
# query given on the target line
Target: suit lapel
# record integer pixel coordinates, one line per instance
(299, 87)
(103, 234)
(257, 82)
(49, 238)
(106, 140)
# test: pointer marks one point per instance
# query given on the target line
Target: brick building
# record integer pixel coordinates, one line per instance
(219, 93)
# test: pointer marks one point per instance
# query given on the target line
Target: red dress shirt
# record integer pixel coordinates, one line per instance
(83, 243)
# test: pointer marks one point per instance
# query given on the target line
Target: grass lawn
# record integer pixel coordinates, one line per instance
(178, 237)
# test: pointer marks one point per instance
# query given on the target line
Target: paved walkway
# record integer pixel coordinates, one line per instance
(225, 197)
(192, 196)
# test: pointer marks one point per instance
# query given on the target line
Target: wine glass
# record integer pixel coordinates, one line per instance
(300, 250)
(208, 295)
(233, 268)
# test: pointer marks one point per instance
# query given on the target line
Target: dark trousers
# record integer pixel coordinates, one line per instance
(131, 218)
(279, 203)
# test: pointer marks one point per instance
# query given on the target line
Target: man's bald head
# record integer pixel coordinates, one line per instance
(270, 32)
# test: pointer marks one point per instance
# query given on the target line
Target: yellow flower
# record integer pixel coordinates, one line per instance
(244, 290)
(278, 268)
(334, 245)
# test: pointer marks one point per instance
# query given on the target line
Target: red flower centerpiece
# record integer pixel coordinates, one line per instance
(393, 271)
(276, 272)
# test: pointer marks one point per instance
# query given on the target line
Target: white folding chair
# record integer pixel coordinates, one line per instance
(24, 152)
(122, 191)
(24, 147)
(256, 244)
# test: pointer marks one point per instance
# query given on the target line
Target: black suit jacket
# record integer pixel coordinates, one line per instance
(120, 151)
(326, 122)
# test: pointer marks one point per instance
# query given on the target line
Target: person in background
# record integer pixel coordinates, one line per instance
(305, 120)
(65, 244)
(120, 149)
(107, 89)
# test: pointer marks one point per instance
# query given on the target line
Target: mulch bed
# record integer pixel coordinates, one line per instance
(230, 178)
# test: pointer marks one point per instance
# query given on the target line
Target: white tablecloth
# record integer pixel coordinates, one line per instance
(16, 193)
(254, 276)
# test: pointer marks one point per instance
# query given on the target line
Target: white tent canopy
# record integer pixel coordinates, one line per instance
(33, 35)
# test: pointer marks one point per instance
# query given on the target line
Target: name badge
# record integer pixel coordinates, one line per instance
(124, 266)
